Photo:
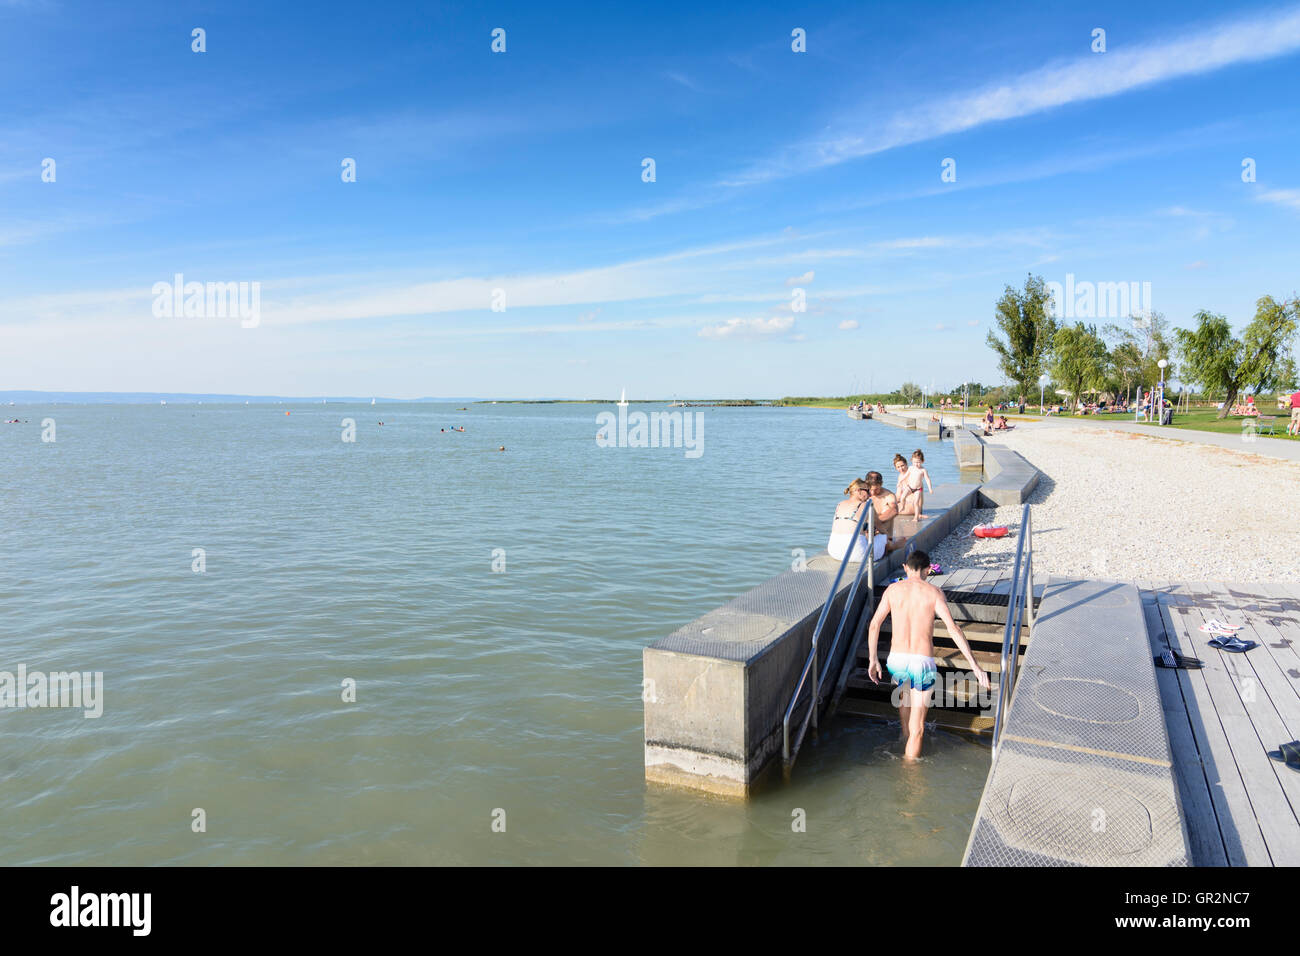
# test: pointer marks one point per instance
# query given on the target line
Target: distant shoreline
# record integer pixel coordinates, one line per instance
(31, 397)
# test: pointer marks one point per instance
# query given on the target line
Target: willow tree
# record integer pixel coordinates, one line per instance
(1136, 353)
(1126, 364)
(1025, 318)
(1257, 362)
(1079, 358)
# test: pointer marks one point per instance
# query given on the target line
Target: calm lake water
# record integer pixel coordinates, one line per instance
(475, 690)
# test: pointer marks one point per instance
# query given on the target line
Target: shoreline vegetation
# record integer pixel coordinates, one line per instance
(680, 403)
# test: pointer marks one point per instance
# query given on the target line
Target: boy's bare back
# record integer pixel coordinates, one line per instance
(913, 605)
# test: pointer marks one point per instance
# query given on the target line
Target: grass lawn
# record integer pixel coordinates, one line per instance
(1198, 419)
(1207, 420)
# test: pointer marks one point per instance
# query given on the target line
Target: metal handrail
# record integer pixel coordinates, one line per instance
(1022, 586)
(789, 752)
(868, 566)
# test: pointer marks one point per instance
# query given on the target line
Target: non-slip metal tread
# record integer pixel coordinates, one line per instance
(1083, 775)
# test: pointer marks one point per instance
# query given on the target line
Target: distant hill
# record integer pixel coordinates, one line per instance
(183, 398)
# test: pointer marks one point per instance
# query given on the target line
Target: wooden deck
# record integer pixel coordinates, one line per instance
(1242, 809)
(998, 582)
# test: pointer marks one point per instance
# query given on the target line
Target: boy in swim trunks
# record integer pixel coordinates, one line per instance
(913, 604)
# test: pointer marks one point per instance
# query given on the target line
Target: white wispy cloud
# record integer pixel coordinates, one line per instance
(748, 328)
(849, 324)
(682, 79)
(1201, 49)
(801, 280)
(1281, 197)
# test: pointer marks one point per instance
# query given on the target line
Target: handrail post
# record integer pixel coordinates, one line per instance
(871, 556)
(1009, 659)
(788, 751)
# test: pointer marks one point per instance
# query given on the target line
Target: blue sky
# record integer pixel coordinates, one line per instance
(522, 171)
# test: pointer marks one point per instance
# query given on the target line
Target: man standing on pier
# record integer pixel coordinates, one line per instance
(913, 604)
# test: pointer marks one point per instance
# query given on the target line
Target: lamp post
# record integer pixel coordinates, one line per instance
(1042, 384)
(1161, 420)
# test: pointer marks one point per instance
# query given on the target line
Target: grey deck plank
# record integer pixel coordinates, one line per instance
(1271, 701)
(1204, 838)
(999, 585)
(1242, 838)
(1248, 726)
(1275, 662)
(963, 575)
(1285, 625)
(1284, 651)
(953, 580)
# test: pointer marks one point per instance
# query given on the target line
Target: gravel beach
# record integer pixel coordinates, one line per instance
(1118, 506)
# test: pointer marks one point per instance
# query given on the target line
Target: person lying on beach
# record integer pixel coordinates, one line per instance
(845, 521)
(913, 604)
(886, 505)
(1001, 424)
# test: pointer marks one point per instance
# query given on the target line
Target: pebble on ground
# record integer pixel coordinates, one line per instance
(1119, 506)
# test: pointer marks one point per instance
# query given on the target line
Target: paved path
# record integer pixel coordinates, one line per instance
(1262, 445)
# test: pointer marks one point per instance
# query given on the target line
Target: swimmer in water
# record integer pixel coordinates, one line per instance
(502, 448)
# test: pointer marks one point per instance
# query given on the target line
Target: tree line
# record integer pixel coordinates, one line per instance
(1118, 359)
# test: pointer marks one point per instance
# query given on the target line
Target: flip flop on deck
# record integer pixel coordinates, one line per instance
(1234, 644)
(1218, 627)
(1175, 661)
(1288, 754)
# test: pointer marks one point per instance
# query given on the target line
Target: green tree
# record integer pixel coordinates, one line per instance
(1135, 352)
(1078, 358)
(1214, 359)
(1025, 319)
(1125, 366)
(910, 392)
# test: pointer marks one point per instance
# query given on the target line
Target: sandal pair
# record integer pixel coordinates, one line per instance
(1233, 644)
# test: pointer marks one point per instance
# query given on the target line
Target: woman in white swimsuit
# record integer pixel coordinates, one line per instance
(847, 513)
